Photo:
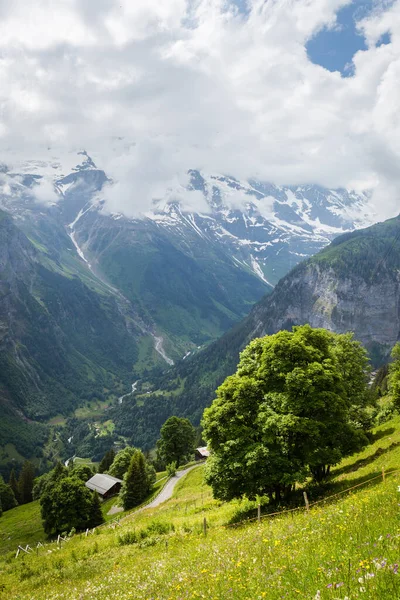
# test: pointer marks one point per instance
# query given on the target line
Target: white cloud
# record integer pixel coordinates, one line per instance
(44, 192)
(195, 84)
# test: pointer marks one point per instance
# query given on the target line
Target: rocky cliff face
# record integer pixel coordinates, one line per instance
(353, 285)
(317, 296)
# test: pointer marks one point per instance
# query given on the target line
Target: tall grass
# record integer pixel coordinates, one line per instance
(346, 547)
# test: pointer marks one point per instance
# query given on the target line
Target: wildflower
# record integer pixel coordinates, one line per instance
(317, 595)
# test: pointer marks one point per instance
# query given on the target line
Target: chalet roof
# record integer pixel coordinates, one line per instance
(203, 451)
(102, 483)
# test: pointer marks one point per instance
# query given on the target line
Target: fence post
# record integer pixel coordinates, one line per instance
(259, 513)
(383, 474)
(205, 526)
(306, 501)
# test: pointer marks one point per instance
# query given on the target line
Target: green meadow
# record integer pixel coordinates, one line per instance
(346, 546)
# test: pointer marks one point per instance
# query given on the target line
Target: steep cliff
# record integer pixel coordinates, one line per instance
(352, 285)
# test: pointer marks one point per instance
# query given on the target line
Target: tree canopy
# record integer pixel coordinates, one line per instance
(121, 462)
(66, 503)
(82, 472)
(294, 407)
(177, 439)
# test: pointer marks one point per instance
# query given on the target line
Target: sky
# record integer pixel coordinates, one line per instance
(286, 91)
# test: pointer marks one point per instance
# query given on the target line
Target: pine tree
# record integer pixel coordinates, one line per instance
(13, 483)
(135, 487)
(107, 461)
(25, 482)
(95, 515)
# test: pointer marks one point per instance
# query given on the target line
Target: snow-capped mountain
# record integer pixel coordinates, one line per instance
(190, 274)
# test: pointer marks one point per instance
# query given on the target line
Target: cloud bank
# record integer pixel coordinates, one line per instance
(152, 89)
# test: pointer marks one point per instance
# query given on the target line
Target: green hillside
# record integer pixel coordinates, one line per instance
(346, 545)
(62, 343)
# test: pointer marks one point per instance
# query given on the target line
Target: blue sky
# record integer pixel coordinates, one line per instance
(335, 48)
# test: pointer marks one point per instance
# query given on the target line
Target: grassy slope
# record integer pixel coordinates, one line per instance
(21, 525)
(291, 556)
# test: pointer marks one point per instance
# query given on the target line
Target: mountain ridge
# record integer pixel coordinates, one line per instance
(352, 285)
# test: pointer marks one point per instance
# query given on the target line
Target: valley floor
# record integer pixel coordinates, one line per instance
(346, 546)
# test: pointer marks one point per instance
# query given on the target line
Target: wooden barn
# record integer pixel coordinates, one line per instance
(105, 485)
(201, 453)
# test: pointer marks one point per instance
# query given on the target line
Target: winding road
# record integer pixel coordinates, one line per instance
(167, 490)
(164, 495)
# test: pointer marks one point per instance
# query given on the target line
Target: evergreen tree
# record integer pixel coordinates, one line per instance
(1, 508)
(95, 515)
(13, 483)
(107, 461)
(59, 472)
(136, 485)
(25, 482)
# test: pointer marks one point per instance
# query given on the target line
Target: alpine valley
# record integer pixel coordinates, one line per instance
(91, 300)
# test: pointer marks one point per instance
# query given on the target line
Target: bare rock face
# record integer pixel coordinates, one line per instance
(319, 297)
(353, 285)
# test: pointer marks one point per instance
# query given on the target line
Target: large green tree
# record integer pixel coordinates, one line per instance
(176, 443)
(65, 504)
(294, 407)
